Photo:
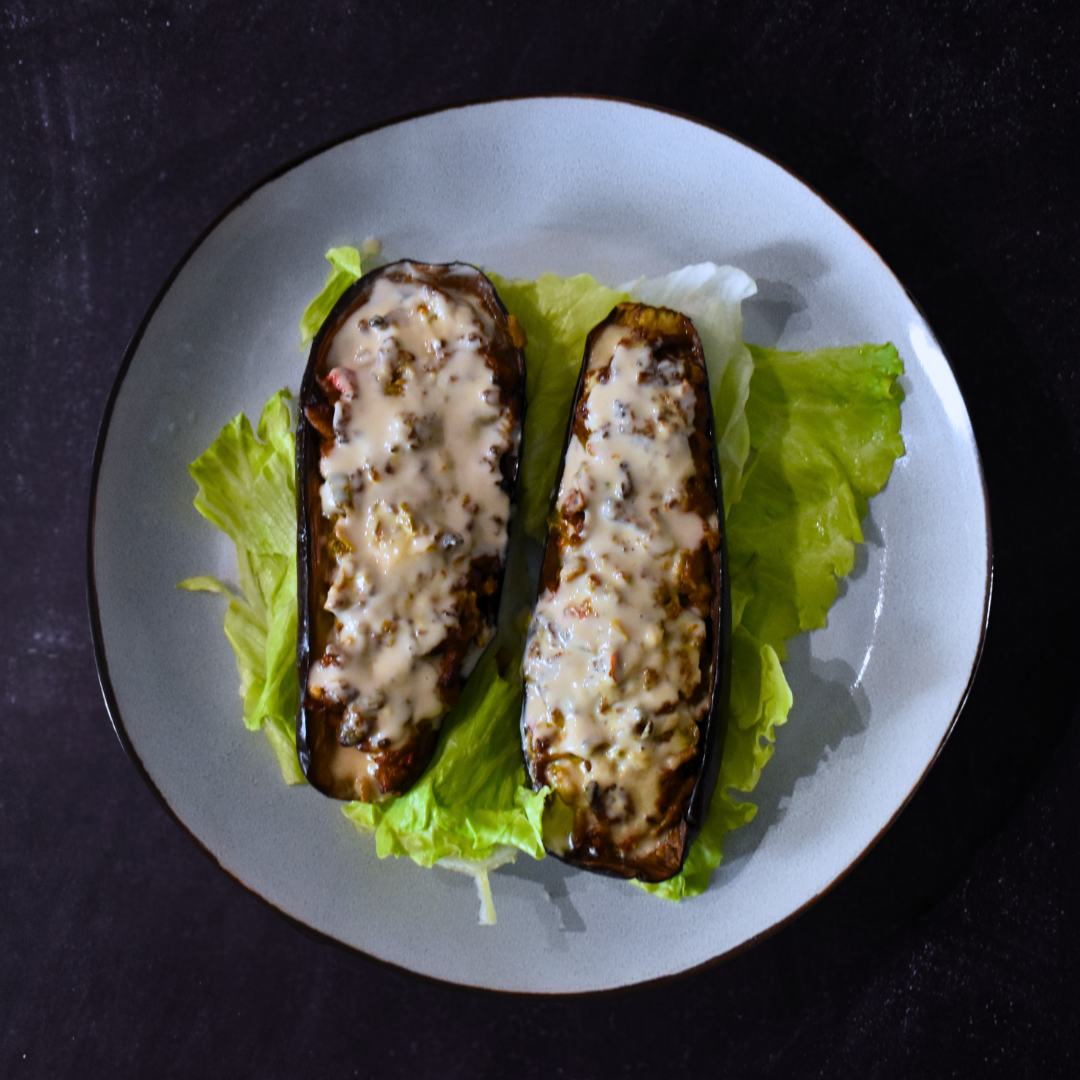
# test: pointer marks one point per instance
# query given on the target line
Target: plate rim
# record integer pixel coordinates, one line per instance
(97, 634)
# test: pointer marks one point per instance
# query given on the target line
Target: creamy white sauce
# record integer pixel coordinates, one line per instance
(412, 485)
(609, 672)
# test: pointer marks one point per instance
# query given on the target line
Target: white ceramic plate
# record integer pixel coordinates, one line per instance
(521, 187)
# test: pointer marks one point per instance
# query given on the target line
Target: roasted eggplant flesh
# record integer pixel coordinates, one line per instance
(408, 441)
(625, 658)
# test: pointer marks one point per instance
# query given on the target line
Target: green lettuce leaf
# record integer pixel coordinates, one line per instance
(345, 269)
(825, 427)
(247, 489)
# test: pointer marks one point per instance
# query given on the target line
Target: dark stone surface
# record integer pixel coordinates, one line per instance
(946, 133)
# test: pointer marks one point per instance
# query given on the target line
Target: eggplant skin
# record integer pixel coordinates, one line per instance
(605, 814)
(340, 756)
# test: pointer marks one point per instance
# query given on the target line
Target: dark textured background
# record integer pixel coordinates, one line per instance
(946, 133)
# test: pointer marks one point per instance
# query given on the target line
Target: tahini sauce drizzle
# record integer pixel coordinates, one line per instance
(609, 673)
(413, 486)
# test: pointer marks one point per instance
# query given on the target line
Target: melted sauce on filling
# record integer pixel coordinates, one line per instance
(412, 487)
(612, 663)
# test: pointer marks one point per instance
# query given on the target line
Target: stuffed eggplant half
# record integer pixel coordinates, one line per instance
(626, 658)
(408, 441)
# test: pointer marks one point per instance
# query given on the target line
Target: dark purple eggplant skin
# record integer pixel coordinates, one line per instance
(584, 853)
(335, 770)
